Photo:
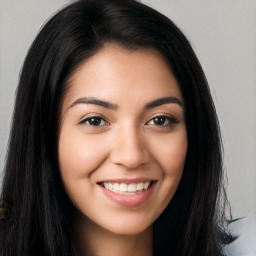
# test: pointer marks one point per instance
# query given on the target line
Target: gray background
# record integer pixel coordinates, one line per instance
(222, 33)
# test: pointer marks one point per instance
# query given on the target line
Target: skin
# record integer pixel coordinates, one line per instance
(126, 142)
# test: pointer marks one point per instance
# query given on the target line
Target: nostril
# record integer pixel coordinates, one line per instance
(131, 158)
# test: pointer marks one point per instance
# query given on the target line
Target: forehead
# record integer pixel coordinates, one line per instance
(114, 72)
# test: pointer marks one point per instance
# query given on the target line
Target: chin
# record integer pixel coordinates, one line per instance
(128, 227)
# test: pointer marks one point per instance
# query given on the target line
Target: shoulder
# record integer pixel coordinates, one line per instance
(245, 231)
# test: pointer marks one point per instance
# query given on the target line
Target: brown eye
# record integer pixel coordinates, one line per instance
(159, 120)
(95, 121)
(162, 121)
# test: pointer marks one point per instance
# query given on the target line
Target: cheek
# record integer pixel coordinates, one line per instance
(79, 155)
(171, 153)
(175, 160)
(173, 164)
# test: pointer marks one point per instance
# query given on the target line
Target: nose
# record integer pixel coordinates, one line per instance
(129, 149)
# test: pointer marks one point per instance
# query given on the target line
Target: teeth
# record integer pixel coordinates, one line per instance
(123, 188)
(115, 187)
(132, 187)
(146, 184)
(140, 186)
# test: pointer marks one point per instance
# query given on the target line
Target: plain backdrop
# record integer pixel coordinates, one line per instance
(223, 35)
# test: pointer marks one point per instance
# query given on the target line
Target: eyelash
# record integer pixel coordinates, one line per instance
(165, 118)
(162, 118)
(95, 118)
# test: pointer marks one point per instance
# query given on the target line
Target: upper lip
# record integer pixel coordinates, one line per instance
(128, 180)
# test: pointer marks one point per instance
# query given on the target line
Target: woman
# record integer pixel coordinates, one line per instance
(115, 146)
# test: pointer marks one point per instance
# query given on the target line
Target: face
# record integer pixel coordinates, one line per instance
(123, 141)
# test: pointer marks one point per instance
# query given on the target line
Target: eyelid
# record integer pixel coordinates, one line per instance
(172, 119)
(94, 115)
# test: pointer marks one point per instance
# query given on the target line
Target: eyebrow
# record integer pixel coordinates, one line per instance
(165, 100)
(112, 106)
(95, 101)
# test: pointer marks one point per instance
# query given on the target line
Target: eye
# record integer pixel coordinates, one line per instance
(94, 121)
(162, 120)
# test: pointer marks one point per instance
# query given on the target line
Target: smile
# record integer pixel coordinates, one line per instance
(128, 193)
(127, 188)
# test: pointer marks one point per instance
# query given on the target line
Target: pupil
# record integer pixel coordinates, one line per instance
(159, 120)
(94, 121)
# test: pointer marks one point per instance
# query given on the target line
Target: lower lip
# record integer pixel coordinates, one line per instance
(129, 200)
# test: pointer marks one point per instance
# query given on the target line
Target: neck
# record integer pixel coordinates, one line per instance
(94, 240)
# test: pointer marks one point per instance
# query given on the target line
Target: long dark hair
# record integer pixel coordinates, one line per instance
(39, 219)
